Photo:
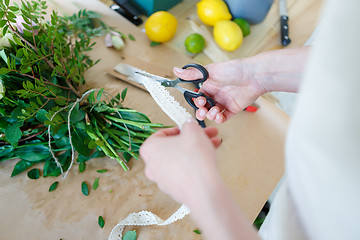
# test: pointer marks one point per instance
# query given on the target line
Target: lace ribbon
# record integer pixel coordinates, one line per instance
(179, 115)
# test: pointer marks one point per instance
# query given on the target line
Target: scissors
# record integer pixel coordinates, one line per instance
(188, 94)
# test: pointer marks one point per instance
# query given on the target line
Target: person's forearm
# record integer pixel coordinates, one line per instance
(280, 70)
(218, 215)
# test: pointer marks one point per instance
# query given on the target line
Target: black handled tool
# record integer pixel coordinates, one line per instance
(284, 27)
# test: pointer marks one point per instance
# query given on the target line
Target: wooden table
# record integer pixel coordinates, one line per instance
(250, 158)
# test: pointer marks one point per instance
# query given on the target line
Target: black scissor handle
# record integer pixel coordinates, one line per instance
(202, 69)
(189, 96)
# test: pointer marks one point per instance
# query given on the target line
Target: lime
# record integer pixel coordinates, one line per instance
(195, 43)
(244, 25)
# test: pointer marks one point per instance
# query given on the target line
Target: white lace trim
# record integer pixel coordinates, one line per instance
(179, 115)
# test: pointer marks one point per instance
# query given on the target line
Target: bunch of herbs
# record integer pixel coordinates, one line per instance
(44, 116)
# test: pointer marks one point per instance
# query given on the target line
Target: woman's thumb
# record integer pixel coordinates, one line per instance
(187, 74)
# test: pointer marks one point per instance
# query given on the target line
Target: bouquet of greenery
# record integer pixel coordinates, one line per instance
(44, 116)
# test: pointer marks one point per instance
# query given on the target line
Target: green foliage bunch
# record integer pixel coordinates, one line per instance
(44, 116)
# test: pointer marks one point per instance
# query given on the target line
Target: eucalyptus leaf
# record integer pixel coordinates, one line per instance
(82, 167)
(53, 186)
(130, 235)
(101, 221)
(34, 173)
(33, 153)
(21, 166)
(84, 189)
(96, 183)
(78, 140)
(13, 133)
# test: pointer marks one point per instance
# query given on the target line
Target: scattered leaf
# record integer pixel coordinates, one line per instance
(131, 37)
(34, 173)
(153, 44)
(197, 231)
(101, 221)
(85, 189)
(82, 167)
(53, 186)
(101, 171)
(96, 183)
(130, 235)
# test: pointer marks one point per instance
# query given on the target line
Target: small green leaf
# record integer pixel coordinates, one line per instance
(91, 97)
(20, 167)
(13, 133)
(82, 167)
(101, 221)
(34, 173)
(101, 171)
(123, 93)
(53, 186)
(78, 140)
(96, 183)
(130, 235)
(98, 97)
(4, 57)
(197, 231)
(85, 189)
(153, 44)
(131, 37)
(4, 71)
(33, 153)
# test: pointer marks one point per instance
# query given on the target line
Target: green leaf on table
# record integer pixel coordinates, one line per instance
(21, 166)
(123, 94)
(98, 97)
(197, 231)
(33, 153)
(82, 166)
(78, 140)
(153, 44)
(101, 171)
(85, 189)
(53, 186)
(130, 235)
(13, 133)
(96, 183)
(101, 221)
(131, 37)
(34, 173)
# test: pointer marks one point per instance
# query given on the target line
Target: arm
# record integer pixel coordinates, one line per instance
(184, 166)
(236, 84)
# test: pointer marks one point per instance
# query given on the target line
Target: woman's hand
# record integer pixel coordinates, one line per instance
(236, 84)
(230, 84)
(182, 163)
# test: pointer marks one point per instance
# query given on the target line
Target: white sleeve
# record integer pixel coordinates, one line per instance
(323, 145)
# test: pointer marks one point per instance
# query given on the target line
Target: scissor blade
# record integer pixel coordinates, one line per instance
(164, 81)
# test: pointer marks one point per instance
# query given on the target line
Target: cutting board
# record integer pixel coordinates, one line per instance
(250, 159)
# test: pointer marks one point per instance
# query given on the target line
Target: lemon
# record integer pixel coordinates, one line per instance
(211, 11)
(195, 43)
(160, 26)
(228, 35)
(244, 25)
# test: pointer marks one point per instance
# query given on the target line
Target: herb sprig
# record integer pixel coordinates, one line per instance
(45, 117)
